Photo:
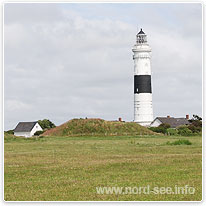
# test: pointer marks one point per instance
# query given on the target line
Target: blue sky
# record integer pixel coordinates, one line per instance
(64, 61)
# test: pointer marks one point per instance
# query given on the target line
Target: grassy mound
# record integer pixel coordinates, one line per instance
(96, 127)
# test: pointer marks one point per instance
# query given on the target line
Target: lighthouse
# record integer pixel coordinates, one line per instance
(143, 111)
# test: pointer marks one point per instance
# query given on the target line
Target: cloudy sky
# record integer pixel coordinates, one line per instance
(75, 60)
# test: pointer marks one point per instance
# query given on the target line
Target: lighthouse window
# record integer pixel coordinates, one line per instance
(142, 39)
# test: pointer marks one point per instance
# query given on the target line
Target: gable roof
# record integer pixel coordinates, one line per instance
(173, 122)
(24, 126)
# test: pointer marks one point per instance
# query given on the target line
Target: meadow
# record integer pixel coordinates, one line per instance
(70, 168)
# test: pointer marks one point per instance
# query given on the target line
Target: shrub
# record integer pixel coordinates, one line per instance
(37, 133)
(172, 131)
(162, 128)
(184, 131)
(195, 129)
(10, 131)
(164, 125)
(159, 129)
(179, 142)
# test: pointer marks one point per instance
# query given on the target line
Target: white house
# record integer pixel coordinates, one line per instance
(173, 122)
(27, 129)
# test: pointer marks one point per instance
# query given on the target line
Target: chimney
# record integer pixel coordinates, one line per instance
(187, 116)
(120, 119)
(168, 116)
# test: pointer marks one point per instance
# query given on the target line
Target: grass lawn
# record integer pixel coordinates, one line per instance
(70, 168)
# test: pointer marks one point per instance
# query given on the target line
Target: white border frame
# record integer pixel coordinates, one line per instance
(119, 202)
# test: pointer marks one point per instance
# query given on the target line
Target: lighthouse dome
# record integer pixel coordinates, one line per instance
(141, 32)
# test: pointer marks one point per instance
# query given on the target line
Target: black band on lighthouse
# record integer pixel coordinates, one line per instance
(142, 84)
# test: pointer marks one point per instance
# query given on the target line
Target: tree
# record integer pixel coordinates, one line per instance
(195, 124)
(195, 118)
(46, 124)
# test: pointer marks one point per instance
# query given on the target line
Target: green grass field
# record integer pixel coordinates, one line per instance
(70, 168)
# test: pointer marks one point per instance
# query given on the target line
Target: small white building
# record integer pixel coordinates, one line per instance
(27, 129)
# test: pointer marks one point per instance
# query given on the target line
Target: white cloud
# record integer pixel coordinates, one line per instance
(67, 61)
(15, 105)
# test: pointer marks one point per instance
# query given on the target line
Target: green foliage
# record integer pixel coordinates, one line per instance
(158, 129)
(196, 124)
(10, 131)
(162, 128)
(37, 133)
(184, 131)
(195, 129)
(8, 137)
(164, 125)
(179, 142)
(172, 131)
(46, 124)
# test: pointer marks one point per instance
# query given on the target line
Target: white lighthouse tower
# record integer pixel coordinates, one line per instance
(143, 112)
